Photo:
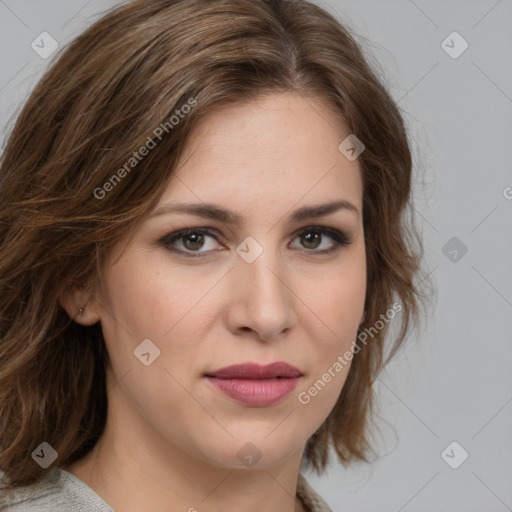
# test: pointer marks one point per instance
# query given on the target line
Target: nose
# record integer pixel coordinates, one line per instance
(261, 300)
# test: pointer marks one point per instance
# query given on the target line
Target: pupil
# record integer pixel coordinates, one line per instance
(312, 238)
(195, 244)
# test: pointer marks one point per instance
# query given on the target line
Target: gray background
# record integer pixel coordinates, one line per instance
(453, 380)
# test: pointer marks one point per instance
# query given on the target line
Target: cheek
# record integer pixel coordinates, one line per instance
(153, 299)
(144, 306)
(132, 313)
(148, 295)
(333, 330)
(334, 312)
(337, 300)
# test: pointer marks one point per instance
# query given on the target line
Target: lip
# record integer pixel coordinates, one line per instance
(256, 371)
(256, 385)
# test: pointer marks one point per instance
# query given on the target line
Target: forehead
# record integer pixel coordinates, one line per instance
(277, 149)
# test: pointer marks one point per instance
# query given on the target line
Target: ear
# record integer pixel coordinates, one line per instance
(75, 298)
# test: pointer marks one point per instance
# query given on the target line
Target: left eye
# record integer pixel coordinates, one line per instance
(312, 239)
(191, 240)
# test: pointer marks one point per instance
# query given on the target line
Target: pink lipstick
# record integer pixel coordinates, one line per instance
(255, 385)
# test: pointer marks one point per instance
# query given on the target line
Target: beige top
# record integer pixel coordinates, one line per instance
(61, 491)
(311, 500)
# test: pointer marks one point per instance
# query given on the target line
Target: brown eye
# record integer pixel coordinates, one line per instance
(196, 241)
(312, 238)
(189, 242)
(192, 241)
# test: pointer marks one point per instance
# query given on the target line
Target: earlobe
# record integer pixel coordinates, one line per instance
(79, 305)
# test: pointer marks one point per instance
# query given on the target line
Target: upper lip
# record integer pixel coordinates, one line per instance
(256, 371)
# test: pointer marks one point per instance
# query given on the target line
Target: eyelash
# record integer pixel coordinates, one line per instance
(339, 238)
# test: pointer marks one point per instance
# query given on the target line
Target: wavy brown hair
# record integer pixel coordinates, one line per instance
(101, 100)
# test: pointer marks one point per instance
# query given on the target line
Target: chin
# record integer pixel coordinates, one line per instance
(252, 451)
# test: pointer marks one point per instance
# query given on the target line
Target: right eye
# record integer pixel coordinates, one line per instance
(191, 240)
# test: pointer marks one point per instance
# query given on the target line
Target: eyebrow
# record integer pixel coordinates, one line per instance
(215, 212)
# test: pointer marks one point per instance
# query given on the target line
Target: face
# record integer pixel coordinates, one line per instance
(266, 280)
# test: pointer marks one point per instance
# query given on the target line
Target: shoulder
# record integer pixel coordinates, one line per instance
(311, 500)
(57, 491)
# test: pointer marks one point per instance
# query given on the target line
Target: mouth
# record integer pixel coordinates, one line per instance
(255, 385)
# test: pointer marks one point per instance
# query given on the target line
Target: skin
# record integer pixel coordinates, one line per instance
(171, 439)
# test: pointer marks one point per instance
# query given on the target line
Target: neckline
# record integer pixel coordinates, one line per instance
(302, 492)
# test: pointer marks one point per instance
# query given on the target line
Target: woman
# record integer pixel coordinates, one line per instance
(204, 243)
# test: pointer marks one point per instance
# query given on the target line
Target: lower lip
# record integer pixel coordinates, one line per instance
(256, 392)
